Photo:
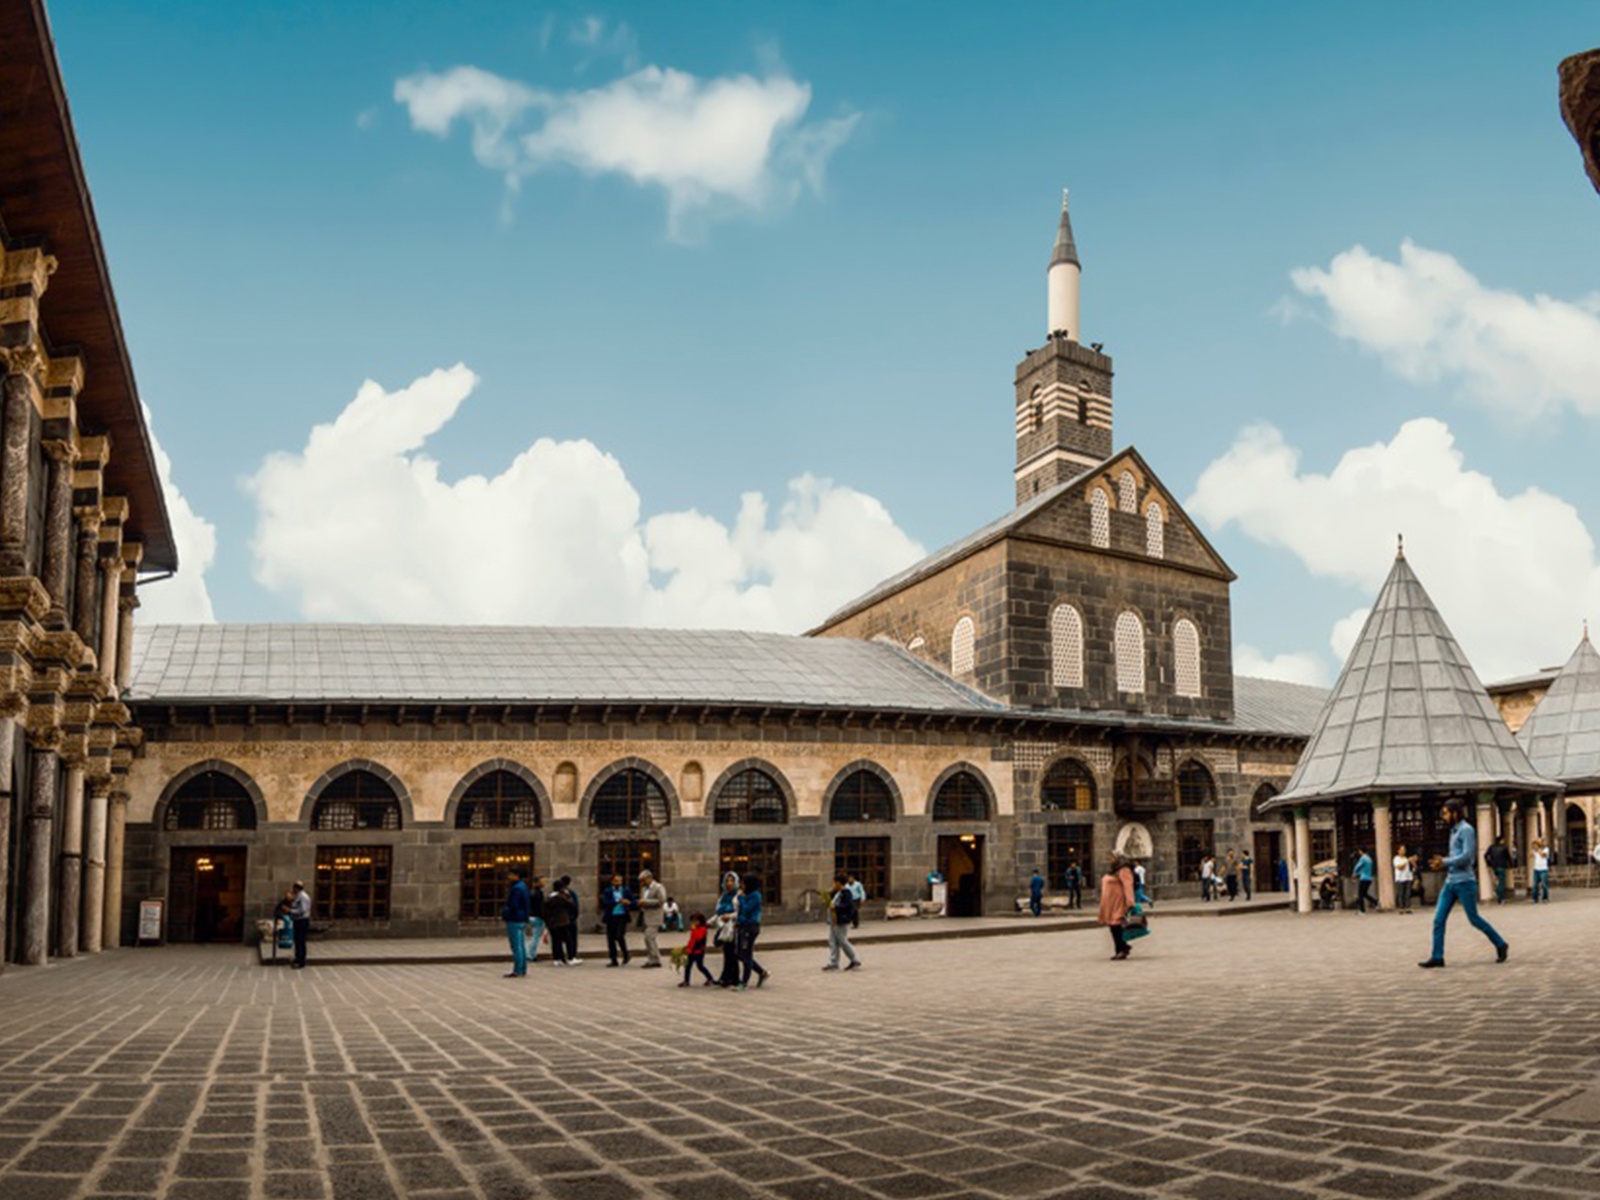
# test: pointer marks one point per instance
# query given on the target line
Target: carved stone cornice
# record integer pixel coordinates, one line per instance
(113, 714)
(42, 731)
(61, 646)
(25, 595)
(13, 704)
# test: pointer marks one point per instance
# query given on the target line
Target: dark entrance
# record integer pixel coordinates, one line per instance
(961, 864)
(205, 897)
(1269, 852)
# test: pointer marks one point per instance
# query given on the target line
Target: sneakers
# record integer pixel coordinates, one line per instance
(854, 966)
(685, 983)
(739, 987)
(1431, 963)
(1500, 951)
(762, 978)
(831, 967)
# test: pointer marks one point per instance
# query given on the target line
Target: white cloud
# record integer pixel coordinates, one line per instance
(603, 40)
(736, 143)
(184, 598)
(1511, 574)
(1292, 666)
(1429, 319)
(359, 525)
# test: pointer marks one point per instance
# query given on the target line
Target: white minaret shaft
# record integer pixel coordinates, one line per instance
(1065, 278)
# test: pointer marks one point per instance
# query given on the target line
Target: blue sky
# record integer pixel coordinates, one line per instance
(280, 230)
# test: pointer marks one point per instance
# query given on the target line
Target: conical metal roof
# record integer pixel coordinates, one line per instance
(1408, 713)
(1562, 735)
(1066, 250)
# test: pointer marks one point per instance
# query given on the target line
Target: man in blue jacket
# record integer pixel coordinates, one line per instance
(616, 907)
(515, 913)
(1460, 885)
(1036, 894)
(1362, 873)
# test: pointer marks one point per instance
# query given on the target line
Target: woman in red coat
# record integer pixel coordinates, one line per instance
(1116, 898)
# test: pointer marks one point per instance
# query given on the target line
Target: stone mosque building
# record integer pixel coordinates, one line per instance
(1056, 684)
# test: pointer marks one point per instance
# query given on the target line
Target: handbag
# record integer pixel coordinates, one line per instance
(1134, 919)
(725, 934)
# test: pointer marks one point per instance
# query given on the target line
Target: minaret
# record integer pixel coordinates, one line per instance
(1064, 387)
(1065, 280)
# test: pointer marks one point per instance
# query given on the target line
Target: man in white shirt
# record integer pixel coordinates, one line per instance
(300, 917)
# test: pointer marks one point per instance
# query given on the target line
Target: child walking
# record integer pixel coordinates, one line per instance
(695, 951)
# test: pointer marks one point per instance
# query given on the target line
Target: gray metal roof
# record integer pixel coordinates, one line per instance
(233, 663)
(1562, 734)
(1274, 706)
(1408, 713)
(1066, 250)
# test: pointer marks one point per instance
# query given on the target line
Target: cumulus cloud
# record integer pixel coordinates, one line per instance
(734, 143)
(184, 598)
(1429, 319)
(1292, 666)
(360, 525)
(1512, 574)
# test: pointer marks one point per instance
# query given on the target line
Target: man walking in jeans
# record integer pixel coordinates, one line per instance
(1460, 885)
(300, 919)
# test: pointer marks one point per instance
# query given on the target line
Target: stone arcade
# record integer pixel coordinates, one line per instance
(81, 514)
(1054, 685)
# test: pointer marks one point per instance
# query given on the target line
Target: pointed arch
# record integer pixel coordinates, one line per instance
(961, 793)
(510, 801)
(1127, 491)
(862, 792)
(1130, 651)
(632, 791)
(751, 792)
(222, 783)
(383, 784)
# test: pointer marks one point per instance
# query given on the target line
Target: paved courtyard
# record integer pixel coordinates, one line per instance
(1257, 1057)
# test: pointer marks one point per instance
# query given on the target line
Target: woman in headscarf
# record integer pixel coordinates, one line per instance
(1116, 898)
(726, 913)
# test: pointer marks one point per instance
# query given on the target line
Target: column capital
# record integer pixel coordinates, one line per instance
(26, 361)
(1378, 802)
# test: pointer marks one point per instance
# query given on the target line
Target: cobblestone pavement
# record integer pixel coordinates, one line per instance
(1269, 1056)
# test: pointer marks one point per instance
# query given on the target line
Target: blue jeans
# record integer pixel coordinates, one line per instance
(535, 936)
(517, 935)
(1464, 893)
(1541, 886)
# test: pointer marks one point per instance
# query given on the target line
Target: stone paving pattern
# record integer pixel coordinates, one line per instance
(1271, 1056)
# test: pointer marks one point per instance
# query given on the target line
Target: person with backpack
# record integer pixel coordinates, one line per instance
(841, 912)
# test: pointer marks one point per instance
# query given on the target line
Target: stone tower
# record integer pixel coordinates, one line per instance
(1064, 387)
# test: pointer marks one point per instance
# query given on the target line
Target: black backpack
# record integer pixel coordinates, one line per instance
(844, 906)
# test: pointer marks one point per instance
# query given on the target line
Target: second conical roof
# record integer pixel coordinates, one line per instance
(1408, 713)
(1562, 735)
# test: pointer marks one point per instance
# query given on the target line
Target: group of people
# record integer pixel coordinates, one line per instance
(1407, 867)
(1237, 870)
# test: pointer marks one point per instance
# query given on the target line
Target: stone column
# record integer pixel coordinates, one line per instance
(1485, 809)
(58, 532)
(125, 607)
(43, 763)
(87, 600)
(70, 900)
(91, 928)
(1531, 819)
(16, 443)
(8, 742)
(110, 587)
(1383, 836)
(1302, 860)
(116, 826)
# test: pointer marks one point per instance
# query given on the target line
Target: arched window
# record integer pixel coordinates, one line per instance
(210, 800)
(961, 798)
(1099, 518)
(1155, 531)
(1195, 785)
(356, 800)
(1068, 786)
(1066, 647)
(862, 796)
(630, 799)
(1036, 409)
(1186, 657)
(1127, 493)
(752, 797)
(1258, 802)
(1130, 652)
(1577, 835)
(961, 644)
(498, 800)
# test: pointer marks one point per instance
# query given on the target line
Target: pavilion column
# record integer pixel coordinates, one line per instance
(8, 745)
(92, 926)
(70, 900)
(16, 443)
(1485, 813)
(116, 828)
(1302, 860)
(43, 764)
(125, 606)
(1383, 835)
(110, 594)
(58, 532)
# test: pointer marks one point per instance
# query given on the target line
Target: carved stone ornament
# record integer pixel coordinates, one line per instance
(1580, 107)
(27, 359)
(1134, 841)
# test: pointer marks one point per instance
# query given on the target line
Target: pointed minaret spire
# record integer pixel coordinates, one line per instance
(1064, 276)
(1400, 547)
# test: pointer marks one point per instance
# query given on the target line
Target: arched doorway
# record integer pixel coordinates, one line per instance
(1577, 841)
